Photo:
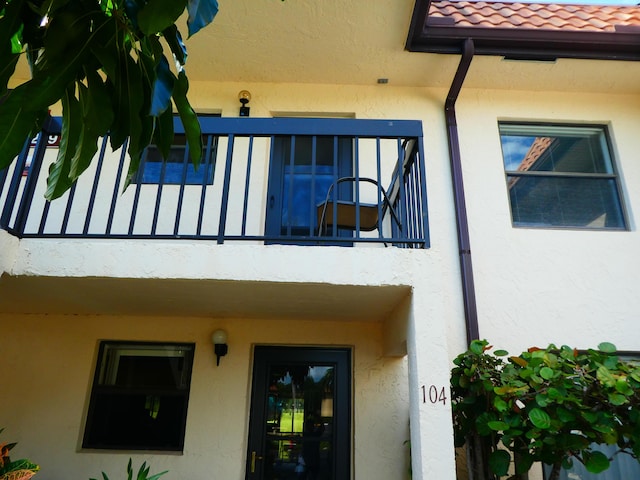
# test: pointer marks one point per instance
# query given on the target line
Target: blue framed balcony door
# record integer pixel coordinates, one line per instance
(298, 183)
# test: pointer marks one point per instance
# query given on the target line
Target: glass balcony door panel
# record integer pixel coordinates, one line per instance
(298, 209)
(299, 182)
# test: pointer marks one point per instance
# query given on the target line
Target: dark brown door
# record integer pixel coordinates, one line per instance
(300, 420)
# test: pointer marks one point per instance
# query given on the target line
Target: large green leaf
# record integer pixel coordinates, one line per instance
(11, 21)
(157, 15)
(68, 31)
(174, 40)
(606, 377)
(87, 144)
(201, 14)
(189, 119)
(499, 462)
(98, 106)
(18, 122)
(498, 425)
(128, 104)
(607, 347)
(97, 116)
(58, 180)
(130, 111)
(162, 88)
(540, 418)
(163, 132)
(596, 462)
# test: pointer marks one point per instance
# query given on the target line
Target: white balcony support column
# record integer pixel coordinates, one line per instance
(432, 448)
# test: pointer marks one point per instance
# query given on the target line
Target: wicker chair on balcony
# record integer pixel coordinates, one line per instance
(371, 214)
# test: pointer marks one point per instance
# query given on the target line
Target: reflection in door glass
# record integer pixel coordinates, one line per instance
(299, 423)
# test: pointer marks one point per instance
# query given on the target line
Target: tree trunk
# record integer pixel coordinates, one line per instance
(479, 458)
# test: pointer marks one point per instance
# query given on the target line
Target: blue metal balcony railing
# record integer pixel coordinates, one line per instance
(274, 181)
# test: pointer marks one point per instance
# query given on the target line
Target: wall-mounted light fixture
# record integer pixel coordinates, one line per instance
(220, 347)
(244, 96)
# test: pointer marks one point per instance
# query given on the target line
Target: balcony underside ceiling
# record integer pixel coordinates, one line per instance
(354, 43)
(197, 298)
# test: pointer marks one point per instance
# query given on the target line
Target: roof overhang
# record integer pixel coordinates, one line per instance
(438, 34)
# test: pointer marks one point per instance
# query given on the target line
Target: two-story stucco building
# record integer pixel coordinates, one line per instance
(488, 184)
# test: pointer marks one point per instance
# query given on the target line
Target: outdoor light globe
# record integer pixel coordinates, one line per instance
(219, 337)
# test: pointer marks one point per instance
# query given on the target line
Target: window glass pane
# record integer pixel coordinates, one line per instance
(177, 166)
(299, 422)
(144, 366)
(565, 150)
(140, 397)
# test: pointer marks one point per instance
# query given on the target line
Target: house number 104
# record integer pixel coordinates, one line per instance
(433, 394)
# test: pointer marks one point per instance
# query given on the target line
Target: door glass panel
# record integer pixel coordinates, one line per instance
(297, 202)
(299, 427)
(299, 179)
(299, 423)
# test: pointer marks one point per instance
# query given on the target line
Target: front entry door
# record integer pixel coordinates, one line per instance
(300, 422)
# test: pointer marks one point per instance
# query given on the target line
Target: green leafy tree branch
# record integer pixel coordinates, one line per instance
(105, 61)
(546, 405)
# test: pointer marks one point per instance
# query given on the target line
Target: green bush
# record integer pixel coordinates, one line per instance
(545, 405)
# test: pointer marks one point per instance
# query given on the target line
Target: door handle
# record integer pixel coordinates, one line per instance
(271, 201)
(254, 457)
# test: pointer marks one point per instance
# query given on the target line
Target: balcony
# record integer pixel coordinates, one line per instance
(262, 181)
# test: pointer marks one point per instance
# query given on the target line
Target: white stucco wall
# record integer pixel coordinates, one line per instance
(539, 286)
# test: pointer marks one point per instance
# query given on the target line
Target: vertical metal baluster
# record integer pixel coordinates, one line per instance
(183, 183)
(312, 206)
(156, 209)
(67, 210)
(31, 182)
(211, 151)
(94, 188)
(357, 183)
(116, 187)
(225, 190)
(336, 189)
(381, 198)
(136, 198)
(424, 212)
(401, 192)
(245, 204)
(292, 172)
(14, 185)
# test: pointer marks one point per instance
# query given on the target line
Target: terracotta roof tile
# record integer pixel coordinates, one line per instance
(600, 18)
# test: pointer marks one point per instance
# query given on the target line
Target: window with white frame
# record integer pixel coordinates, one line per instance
(139, 397)
(561, 176)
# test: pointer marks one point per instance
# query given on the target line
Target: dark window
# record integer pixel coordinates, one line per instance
(177, 168)
(561, 176)
(139, 396)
